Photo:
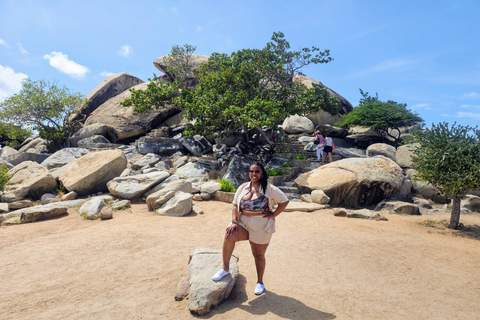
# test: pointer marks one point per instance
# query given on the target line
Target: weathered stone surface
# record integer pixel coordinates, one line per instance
(93, 141)
(331, 131)
(197, 197)
(180, 162)
(106, 213)
(296, 205)
(157, 199)
(62, 157)
(205, 293)
(424, 189)
(400, 207)
(162, 165)
(422, 203)
(6, 163)
(17, 158)
(298, 124)
(361, 214)
(20, 204)
(96, 129)
(31, 145)
(91, 172)
(349, 152)
(163, 148)
(224, 196)
(178, 206)
(318, 196)
(362, 141)
(194, 62)
(36, 213)
(210, 187)
(192, 170)
(72, 195)
(354, 182)
(405, 191)
(404, 155)
(382, 149)
(7, 151)
(4, 207)
(183, 288)
(27, 177)
(150, 159)
(237, 172)
(127, 123)
(121, 204)
(196, 145)
(230, 139)
(196, 210)
(47, 197)
(205, 196)
(162, 185)
(306, 198)
(91, 209)
(470, 203)
(109, 88)
(133, 187)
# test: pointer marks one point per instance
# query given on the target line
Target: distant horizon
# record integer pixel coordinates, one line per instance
(422, 53)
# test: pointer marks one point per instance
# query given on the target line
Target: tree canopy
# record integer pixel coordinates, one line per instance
(250, 88)
(12, 135)
(382, 117)
(45, 106)
(448, 158)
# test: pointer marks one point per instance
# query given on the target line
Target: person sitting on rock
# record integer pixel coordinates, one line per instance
(257, 224)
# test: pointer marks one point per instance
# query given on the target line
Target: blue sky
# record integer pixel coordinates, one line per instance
(422, 53)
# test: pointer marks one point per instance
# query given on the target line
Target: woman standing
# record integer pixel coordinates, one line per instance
(320, 144)
(328, 148)
(253, 219)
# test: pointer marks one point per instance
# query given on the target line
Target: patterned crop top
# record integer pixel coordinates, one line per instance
(258, 205)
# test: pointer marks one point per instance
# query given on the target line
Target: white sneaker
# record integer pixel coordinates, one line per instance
(259, 288)
(220, 274)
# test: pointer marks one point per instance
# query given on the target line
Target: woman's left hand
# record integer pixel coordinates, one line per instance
(267, 214)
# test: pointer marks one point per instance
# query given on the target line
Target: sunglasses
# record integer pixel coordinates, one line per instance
(255, 171)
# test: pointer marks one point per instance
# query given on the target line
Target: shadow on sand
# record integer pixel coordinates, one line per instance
(269, 302)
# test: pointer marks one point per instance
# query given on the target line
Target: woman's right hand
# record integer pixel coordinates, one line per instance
(232, 228)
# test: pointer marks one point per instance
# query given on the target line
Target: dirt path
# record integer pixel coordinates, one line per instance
(318, 267)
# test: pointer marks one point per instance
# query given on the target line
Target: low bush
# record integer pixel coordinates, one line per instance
(227, 186)
(287, 165)
(299, 157)
(4, 177)
(275, 172)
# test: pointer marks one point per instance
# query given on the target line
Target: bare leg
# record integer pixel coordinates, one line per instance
(258, 251)
(330, 157)
(229, 245)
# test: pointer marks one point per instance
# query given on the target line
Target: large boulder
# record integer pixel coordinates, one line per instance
(322, 116)
(237, 172)
(20, 157)
(91, 172)
(331, 131)
(298, 124)
(192, 170)
(91, 209)
(354, 182)
(205, 293)
(162, 148)
(158, 198)
(96, 129)
(133, 187)
(36, 213)
(62, 157)
(178, 206)
(470, 203)
(6, 163)
(150, 159)
(424, 188)
(404, 155)
(27, 177)
(109, 88)
(7, 151)
(194, 62)
(382, 149)
(125, 121)
(399, 207)
(31, 145)
(362, 141)
(93, 141)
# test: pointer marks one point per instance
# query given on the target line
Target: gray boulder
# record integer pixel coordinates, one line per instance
(359, 214)
(93, 140)
(91, 209)
(237, 172)
(470, 203)
(362, 141)
(150, 159)
(196, 145)
(27, 177)
(7, 151)
(133, 187)
(404, 155)
(400, 207)
(298, 124)
(354, 182)
(96, 129)
(194, 62)
(382, 149)
(162, 148)
(331, 131)
(167, 182)
(20, 157)
(192, 170)
(178, 206)
(109, 88)
(158, 198)
(205, 293)
(297, 205)
(210, 187)
(31, 145)
(6, 163)
(318, 196)
(62, 157)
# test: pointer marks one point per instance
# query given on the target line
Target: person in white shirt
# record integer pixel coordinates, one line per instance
(327, 148)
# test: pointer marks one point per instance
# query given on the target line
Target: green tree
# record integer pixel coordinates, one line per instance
(383, 117)
(248, 89)
(45, 106)
(4, 177)
(12, 135)
(448, 158)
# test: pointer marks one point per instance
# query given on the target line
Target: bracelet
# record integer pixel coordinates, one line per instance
(234, 221)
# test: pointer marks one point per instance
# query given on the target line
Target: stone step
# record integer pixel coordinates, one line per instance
(293, 196)
(288, 189)
(289, 184)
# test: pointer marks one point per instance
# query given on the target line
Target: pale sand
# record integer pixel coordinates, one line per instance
(318, 267)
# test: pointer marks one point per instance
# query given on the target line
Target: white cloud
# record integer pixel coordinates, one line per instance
(174, 10)
(469, 106)
(61, 62)
(10, 81)
(383, 66)
(125, 51)
(470, 115)
(2, 42)
(471, 95)
(22, 49)
(106, 74)
(199, 29)
(422, 106)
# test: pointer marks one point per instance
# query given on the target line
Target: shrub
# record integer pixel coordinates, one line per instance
(287, 165)
(227, 186)
(299, 157)
(4, 177)
(275, 172)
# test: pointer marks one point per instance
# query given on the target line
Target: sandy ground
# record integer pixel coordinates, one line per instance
(318, 267)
